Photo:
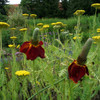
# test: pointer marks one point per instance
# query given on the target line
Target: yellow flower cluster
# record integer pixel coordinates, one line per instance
(74, 38)
(4, 25)
(13, 28)
(11, 46)
(25, 15)
(46, 26)
(40, 24)
(6, 67)
(98, 30)
(53, 24)
(13, 37)
(23, 29)
(96, 37)
(96, 5)
(22, 73)
(59, 23)
(79, 12)
(33, 15)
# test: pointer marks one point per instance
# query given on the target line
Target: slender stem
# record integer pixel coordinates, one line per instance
(46, 88)
(53, 36)
(34, 22)
(0, 45)
(78, 25)
(58, 34)
(94, 21)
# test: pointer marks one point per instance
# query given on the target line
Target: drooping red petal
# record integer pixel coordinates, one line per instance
(41, 52)
(32, 53)
(24, 47)
(76, 72)
(40, 43)
(35, 52)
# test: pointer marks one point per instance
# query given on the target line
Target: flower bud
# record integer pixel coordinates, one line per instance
(83, 55)
(35, 34)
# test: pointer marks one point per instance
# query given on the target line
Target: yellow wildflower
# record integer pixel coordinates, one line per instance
(53, 24)
(11, 46)
(22, 73)
(96, 5)
(4, 25)
(33, 15)
(98, 30)
(45, 26)
(76, 38)
(45, 35)
(40, 24)
(13, 37)
(96, 38)
(25, 15)
(18, 46)
(79, 12)
(59, 23)
(23, 29)
(13, 28)
(6, 67)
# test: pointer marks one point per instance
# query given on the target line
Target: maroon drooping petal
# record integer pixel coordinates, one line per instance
(32, 51)
(76, 71)
(25, 46)
(35, 52)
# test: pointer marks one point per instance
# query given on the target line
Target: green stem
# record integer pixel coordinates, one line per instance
(53, 36)
(78, 25)
(25, 36)
(58, 34)
(94, 21)
(46, 88)
(34, 22)
(46, 35)
(0, 45)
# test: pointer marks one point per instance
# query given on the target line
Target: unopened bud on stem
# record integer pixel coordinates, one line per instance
(36, 34)
(83, 55)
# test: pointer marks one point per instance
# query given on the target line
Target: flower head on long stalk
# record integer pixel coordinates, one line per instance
(96, 5)
(33, 15)
(25, 15)
(23, 29)
(78, 69)
(4, 25)
(79, 12)
(33, 48)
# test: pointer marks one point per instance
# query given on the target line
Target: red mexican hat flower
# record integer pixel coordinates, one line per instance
(78, 68)
(32, 49)
(76, 71)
